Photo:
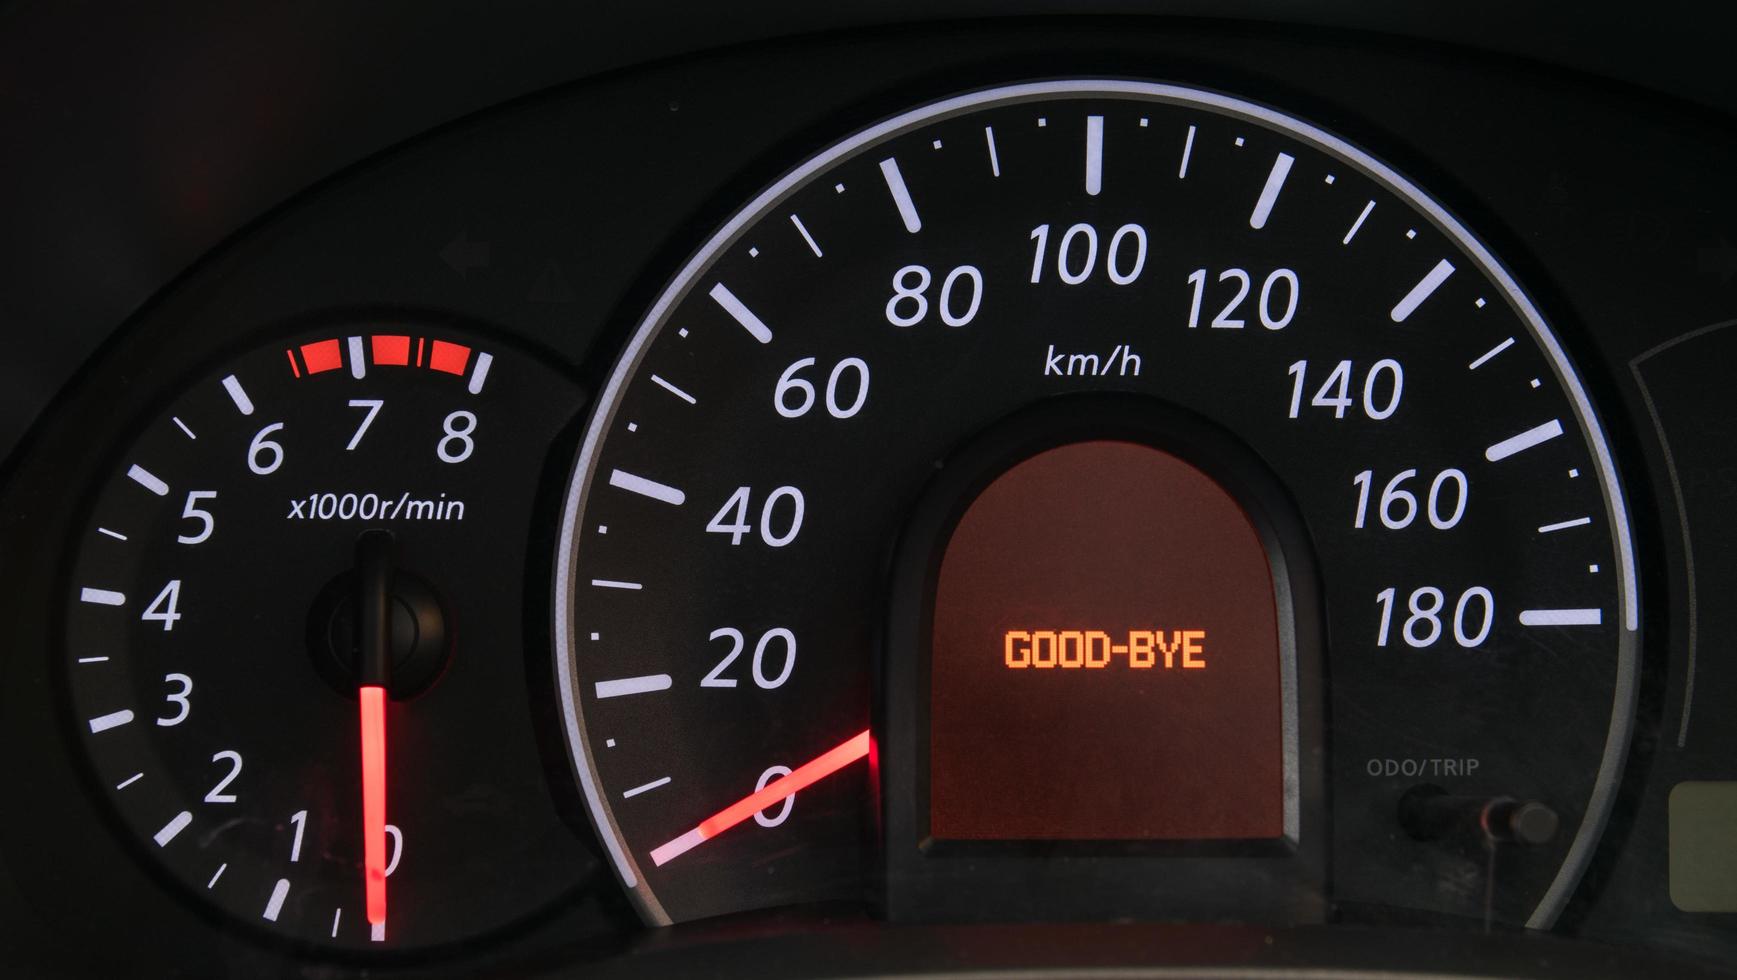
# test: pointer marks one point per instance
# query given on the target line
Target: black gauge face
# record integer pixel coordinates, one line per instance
(296, 645)
(827, 361)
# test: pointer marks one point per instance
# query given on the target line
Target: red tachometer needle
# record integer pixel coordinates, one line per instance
(373, 666)
(373, 700)
(775, 792)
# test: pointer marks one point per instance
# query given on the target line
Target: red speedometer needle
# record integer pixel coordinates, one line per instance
(775, 792)
(373, 700)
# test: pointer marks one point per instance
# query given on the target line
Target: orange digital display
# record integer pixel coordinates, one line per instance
(1105, 658)
(1092, 649)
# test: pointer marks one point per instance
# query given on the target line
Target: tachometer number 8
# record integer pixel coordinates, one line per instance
(456, 443)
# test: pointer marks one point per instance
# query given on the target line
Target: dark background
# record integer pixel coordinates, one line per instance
(154, 156)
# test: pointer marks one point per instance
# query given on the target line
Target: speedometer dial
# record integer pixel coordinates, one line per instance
(1085, 464)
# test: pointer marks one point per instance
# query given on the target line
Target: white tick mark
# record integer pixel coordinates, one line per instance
(1426, 286)
(1330, 178)
(173, 828)
(672, 389)
(1263, 208)
(1492, 352)
(739, 312)
(648, 787)
(625, 686)
(114, 719)
(901, 195)
(801, 229)
(1094, 155)
(1534, 436)
(1561, 617)
(238, 395)
(145, 478)
(753, 252)
(1239, 141)
(479, 375)
(279, 892)
(1358, 223)
(633, 483)
(936, 144)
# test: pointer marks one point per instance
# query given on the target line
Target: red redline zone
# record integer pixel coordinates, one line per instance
(448, 357)
(391, 350)
(384, 350)
(323, 355)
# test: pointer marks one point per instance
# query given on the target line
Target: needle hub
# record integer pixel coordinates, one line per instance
(417, 646)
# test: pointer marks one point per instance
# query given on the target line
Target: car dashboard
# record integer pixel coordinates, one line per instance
(800, 491)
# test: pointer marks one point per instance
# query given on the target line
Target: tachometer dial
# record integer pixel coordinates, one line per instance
(1120, 442)
(296, 645)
